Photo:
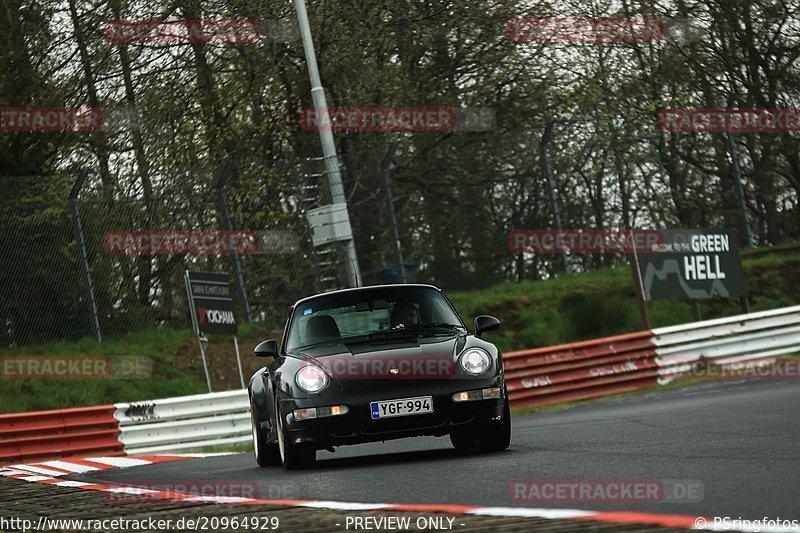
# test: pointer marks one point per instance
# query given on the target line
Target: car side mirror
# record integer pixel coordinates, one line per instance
(484, 323)
(267, 349)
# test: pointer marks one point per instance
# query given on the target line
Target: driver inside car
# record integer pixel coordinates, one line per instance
(404, 314)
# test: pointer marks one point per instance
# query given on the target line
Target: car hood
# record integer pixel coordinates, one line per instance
(410, 356)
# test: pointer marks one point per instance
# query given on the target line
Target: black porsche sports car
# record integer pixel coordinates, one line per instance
(372, 364)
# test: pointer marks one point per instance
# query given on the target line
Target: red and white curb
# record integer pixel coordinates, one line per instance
(52, 472)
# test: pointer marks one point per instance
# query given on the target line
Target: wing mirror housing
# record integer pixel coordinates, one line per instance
(484, 323)
(267, 349)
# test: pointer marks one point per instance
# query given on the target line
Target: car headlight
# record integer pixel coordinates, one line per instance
(311, 378)
(475, 361)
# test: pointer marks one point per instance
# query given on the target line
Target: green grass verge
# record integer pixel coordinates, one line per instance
(160, 345)
(225, 448)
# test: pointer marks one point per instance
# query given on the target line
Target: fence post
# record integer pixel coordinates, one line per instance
(222, 179)
(387, 194)
(551, 192)
(638, 286)
(78, 230)
(737, 178)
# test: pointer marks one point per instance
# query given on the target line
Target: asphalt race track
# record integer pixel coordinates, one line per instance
(739, 440)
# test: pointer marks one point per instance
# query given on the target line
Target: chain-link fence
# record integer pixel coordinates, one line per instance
(41, 296)
(136, 279)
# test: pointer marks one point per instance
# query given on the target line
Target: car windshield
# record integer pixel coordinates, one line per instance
(344, 315)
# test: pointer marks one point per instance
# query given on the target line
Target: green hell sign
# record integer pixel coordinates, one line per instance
(692, 264)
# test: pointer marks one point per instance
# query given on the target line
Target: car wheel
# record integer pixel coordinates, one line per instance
(266, 454)
(496, 436)
(293, 456)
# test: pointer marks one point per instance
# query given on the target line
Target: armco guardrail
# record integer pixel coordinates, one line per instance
(59, 433)
(581, 370)
(612, 365)
(172, 424)
(576, 371)
(186, 422)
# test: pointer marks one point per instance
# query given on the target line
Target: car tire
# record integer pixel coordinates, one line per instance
(496, 436)
(266, 454)
(293, 456)
(464, 440)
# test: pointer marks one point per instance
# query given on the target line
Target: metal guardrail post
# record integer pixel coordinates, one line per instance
(78, 230)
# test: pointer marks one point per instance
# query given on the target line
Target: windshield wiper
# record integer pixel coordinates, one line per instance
(387, 333)
(409, 331)
(417, 328)
(435, 325)
(338, 340)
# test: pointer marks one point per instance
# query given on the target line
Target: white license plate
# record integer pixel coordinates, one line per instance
(402, 407)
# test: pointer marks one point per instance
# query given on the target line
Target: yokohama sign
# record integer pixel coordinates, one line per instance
(214, 316)
(211, 303)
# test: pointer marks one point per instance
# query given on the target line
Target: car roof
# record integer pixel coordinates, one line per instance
(368, 287)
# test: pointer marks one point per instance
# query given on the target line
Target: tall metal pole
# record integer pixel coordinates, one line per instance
(203, 342)
(638, 284)
(226, 224)
(238, 360)
(551, 191)
(737, 178)
(78, 230)
(387, 195)
(326, 138)
(201, 339)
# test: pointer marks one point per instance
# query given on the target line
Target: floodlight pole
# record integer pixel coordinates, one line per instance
(326, 138)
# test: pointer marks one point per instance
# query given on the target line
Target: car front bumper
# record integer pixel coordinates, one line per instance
(357, 426)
